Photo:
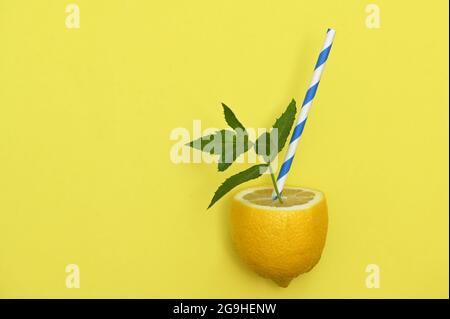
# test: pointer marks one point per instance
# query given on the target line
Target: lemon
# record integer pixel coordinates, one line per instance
(279, 241)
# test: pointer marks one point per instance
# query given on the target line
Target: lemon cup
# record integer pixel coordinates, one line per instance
(279, 240)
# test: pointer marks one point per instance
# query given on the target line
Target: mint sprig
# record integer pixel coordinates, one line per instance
(230, 144)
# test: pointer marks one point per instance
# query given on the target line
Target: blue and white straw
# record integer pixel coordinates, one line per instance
(307, 102)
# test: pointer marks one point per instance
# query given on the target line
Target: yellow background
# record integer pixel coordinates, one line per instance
(85, 118)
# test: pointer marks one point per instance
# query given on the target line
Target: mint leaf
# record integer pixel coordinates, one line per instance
(265, 145)
(231, 119)
(235, 180)
(270, 144)
(284, 124)
(234, 146)
(204, 143)
(228, 144)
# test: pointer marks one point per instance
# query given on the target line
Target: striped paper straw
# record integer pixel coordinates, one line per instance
(307, 102)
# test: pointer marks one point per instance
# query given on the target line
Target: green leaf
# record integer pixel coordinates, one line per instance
(228, 144)
(265, 144)
(231, 119)
(235, 180)
(233, 147)
(203, 143)
(284, 124)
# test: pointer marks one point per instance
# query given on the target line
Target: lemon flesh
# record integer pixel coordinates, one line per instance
(290, 197)
(279, 240)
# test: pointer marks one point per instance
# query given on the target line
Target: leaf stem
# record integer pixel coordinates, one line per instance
(272, 176)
